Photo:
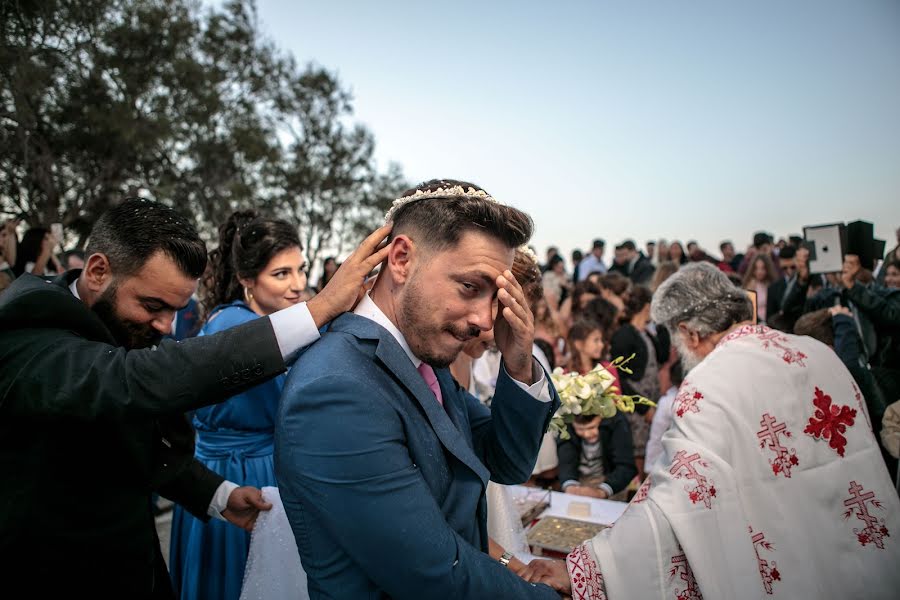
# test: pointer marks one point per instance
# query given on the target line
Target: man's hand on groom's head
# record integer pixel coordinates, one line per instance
(342, 292)
(243, 507)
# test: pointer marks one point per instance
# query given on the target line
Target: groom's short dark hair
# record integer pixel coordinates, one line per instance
(438, 223)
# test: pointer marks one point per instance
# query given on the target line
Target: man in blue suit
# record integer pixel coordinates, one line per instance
(382, 459)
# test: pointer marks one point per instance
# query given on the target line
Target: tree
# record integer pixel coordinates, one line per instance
(101, 99)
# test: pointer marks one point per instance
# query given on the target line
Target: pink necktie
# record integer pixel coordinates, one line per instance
(430, 378)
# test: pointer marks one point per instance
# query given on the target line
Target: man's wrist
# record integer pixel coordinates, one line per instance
(320, 310)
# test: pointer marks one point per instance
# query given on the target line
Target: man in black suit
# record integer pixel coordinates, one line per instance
(91, 410)
(638, 267)
(787, 262)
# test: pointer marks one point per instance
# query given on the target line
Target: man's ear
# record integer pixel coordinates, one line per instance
(400, 258)
(691, 338)
(97, 273)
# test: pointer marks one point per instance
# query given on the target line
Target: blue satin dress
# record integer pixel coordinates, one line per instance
(235, 439)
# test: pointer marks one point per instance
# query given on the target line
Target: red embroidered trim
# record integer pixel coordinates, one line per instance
(875, 530)
(859, 402)
(680, 566)
(770, 339)
(686, 400)
(785, 458)
(587, 581)
(642, 492)
(705, 490)
(830, 421)
(768, 572)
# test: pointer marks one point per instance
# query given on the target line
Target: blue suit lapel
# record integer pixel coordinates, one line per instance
(395, 360)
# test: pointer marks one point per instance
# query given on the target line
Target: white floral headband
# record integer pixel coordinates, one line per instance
(527, 251)
(456, 191)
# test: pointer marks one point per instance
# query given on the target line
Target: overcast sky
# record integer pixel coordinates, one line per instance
(683, 120)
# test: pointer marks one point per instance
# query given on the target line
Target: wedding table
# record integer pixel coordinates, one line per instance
(571, 516)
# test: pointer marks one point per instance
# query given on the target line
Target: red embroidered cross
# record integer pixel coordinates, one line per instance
(701, 491)
(830, 421)
(776, 340)
(680, 566)
(686, 401)
(875, 530)
(768, 436)
(768, 573)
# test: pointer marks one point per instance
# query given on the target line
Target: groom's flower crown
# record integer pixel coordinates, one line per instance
(456, 191)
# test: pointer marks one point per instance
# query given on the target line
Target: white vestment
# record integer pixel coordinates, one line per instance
(771, 484)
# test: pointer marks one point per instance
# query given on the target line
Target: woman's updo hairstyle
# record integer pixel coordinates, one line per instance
(247, 242)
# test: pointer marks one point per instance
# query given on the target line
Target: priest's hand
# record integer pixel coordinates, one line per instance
(514, 329)
(344, 289)
(243, 507)
(551, 572)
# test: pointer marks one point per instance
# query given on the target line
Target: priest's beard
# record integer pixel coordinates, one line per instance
(436, 343)
(128, 334)
(689, 358)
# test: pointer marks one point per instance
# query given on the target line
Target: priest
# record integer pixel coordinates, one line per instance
(770, 483)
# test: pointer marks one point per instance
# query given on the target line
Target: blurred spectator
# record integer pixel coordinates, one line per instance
(35, 254)
(577, 255)
(73, 259)
(593, 262)
(329, 267)
(759, 277)
(676, 253)
(730, 260)
(662, 418)
(555, 281)
(665, 270)
(650, 247)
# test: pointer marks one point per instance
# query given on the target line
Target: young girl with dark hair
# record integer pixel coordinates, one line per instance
(257, 269)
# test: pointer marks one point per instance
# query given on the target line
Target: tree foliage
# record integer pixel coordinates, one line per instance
(101, 99)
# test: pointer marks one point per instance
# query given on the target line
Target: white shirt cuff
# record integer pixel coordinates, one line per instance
(606, 488)
(219, 500)
(568, 483)
(539, 389)
(294, 329)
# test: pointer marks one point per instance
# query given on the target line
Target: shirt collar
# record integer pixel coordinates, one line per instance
(368, 309)
(73, 287)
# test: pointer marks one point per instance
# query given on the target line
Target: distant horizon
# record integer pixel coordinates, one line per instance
(610, 120)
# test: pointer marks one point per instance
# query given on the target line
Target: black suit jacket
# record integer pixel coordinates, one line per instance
(643, 271)
(618, 453)
(88, 430)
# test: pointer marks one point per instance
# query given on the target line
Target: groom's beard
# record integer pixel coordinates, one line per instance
(435, 343)
(689, 359)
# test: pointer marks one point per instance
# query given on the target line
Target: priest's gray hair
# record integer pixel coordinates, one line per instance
(703, 298)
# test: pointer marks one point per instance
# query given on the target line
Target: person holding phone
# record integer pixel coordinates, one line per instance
(35, 254)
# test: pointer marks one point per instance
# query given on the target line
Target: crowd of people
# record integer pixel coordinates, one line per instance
(424, 373)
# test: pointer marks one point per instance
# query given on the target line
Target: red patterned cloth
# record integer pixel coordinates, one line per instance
(771, 484)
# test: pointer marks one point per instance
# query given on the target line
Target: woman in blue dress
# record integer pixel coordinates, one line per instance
(257, 269)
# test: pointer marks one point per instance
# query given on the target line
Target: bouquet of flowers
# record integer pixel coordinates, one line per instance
(591, 394)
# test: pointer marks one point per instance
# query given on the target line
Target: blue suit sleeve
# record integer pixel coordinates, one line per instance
(343, 454)
(508, 436)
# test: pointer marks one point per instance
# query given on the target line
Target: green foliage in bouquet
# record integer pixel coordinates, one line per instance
(591, 394)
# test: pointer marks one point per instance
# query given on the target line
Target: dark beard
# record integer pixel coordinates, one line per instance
(413, 323)
(127, 334)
